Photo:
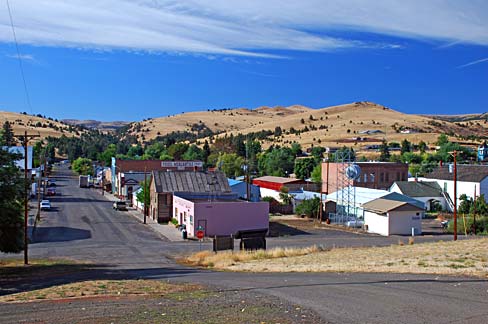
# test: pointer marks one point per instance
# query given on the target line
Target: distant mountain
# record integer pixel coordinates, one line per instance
(95, 124)
(460, 118)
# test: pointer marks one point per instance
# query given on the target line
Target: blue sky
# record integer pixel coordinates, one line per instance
(129, 60)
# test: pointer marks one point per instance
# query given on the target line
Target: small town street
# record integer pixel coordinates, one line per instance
(83, 226)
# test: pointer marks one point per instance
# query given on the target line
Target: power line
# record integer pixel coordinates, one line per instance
(21, 66)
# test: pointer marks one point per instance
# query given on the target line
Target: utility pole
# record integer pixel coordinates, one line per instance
(474, 211)
(145, 193)
(454, 154)
(25, 140)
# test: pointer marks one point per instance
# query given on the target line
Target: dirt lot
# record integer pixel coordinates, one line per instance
(201, 306)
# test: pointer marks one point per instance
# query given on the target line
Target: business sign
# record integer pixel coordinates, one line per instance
(182, 165)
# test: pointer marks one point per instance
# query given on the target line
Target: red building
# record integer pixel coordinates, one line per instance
(276, 183)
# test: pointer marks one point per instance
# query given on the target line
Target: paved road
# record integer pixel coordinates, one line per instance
(83, 226)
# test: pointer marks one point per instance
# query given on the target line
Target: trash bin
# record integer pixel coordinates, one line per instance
(184, 234)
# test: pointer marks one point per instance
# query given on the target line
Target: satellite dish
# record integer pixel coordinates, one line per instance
(353, 171)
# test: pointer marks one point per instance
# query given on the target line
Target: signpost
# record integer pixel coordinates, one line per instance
(200, 234)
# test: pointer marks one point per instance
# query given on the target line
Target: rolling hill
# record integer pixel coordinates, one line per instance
(358, 124)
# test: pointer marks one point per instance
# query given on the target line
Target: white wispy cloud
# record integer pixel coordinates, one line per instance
(240, 27)
(24, 57)
(473, 63)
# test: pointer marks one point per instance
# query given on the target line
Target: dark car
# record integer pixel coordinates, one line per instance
(51, 192)
(119, 205)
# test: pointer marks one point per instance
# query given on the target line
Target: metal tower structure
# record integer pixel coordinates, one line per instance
(346, 194)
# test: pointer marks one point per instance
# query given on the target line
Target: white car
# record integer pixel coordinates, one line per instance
(45, 205)
(355, 223)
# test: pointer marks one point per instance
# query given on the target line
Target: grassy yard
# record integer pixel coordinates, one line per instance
(466, 257)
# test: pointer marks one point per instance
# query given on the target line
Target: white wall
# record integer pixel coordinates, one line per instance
(401, 222)
(265, 192)
(377, 224)
(463, 187)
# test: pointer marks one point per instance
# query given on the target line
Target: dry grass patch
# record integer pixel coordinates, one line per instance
(222, 260)
(467, 257)
(102, 288)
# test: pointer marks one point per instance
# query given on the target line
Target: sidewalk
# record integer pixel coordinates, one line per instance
(167, 231)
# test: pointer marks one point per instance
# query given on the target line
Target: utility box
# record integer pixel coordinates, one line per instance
(221, 243)
(252, 239)
(83, 181)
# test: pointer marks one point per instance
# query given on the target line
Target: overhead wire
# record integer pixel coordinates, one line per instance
(19, 58)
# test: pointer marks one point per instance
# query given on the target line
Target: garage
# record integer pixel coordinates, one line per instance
(391, 217)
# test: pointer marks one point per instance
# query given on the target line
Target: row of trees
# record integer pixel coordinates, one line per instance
(11, 196)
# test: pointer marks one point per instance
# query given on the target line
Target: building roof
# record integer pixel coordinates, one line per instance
(365, 195)
(420, 188)
(281, 180)
(152, 165)
(465, 172)
(385, 205)
(233, 182)
(190, 181)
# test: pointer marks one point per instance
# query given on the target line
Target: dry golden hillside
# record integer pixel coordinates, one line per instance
(358, 124)
(36, 125)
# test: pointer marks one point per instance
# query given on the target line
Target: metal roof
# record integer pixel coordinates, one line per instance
(419, 188)
(278, 179)
(190, 181)
(465, 172)
(384, 205)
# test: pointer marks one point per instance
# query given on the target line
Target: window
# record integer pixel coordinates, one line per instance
(398, 176)
(404, 176)
(382, 177)
(365, 177)
(387, 177)
(191, 220)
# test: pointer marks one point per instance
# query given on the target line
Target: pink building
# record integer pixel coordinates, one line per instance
(220, 216)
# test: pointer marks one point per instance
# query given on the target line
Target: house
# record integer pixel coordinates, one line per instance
(20, 150)
(192, 184)
(242, 188)
(482, 152)
(217, 216)
(374, 175)
(350, 201)
(429, 192)
(472, 179)
(392, 217)
(120, 168)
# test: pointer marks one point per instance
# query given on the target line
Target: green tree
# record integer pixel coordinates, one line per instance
(135, 151)
(82, 166)
(144, 195)
(405, 146)
(309, 207)
(11, 197)
(285, 197)
(317, 173)
(384, 152)
(177, 150)
(231, 164)
(304, 167)
(422, 147)
(442, 140)
(7, 134)
(277, 162)
(154, 151)
(206, 151)
(106, 156)
(465, 204)
(193, 153)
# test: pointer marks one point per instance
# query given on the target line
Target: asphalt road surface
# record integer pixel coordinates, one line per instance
(84, 227)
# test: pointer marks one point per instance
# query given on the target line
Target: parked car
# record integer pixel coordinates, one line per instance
(119, 205)
(51, 183)
(45, 205)
(356, 223)
(51, 192)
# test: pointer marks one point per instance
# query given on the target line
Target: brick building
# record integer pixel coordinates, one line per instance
(373, 175)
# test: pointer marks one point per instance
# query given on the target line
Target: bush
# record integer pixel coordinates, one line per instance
(309, 207)
(481, 225)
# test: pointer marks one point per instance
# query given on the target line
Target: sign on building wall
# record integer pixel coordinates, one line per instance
(182, 165)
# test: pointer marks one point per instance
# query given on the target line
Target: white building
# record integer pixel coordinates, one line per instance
(391, 217)
(471, 180)
(428, 192)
